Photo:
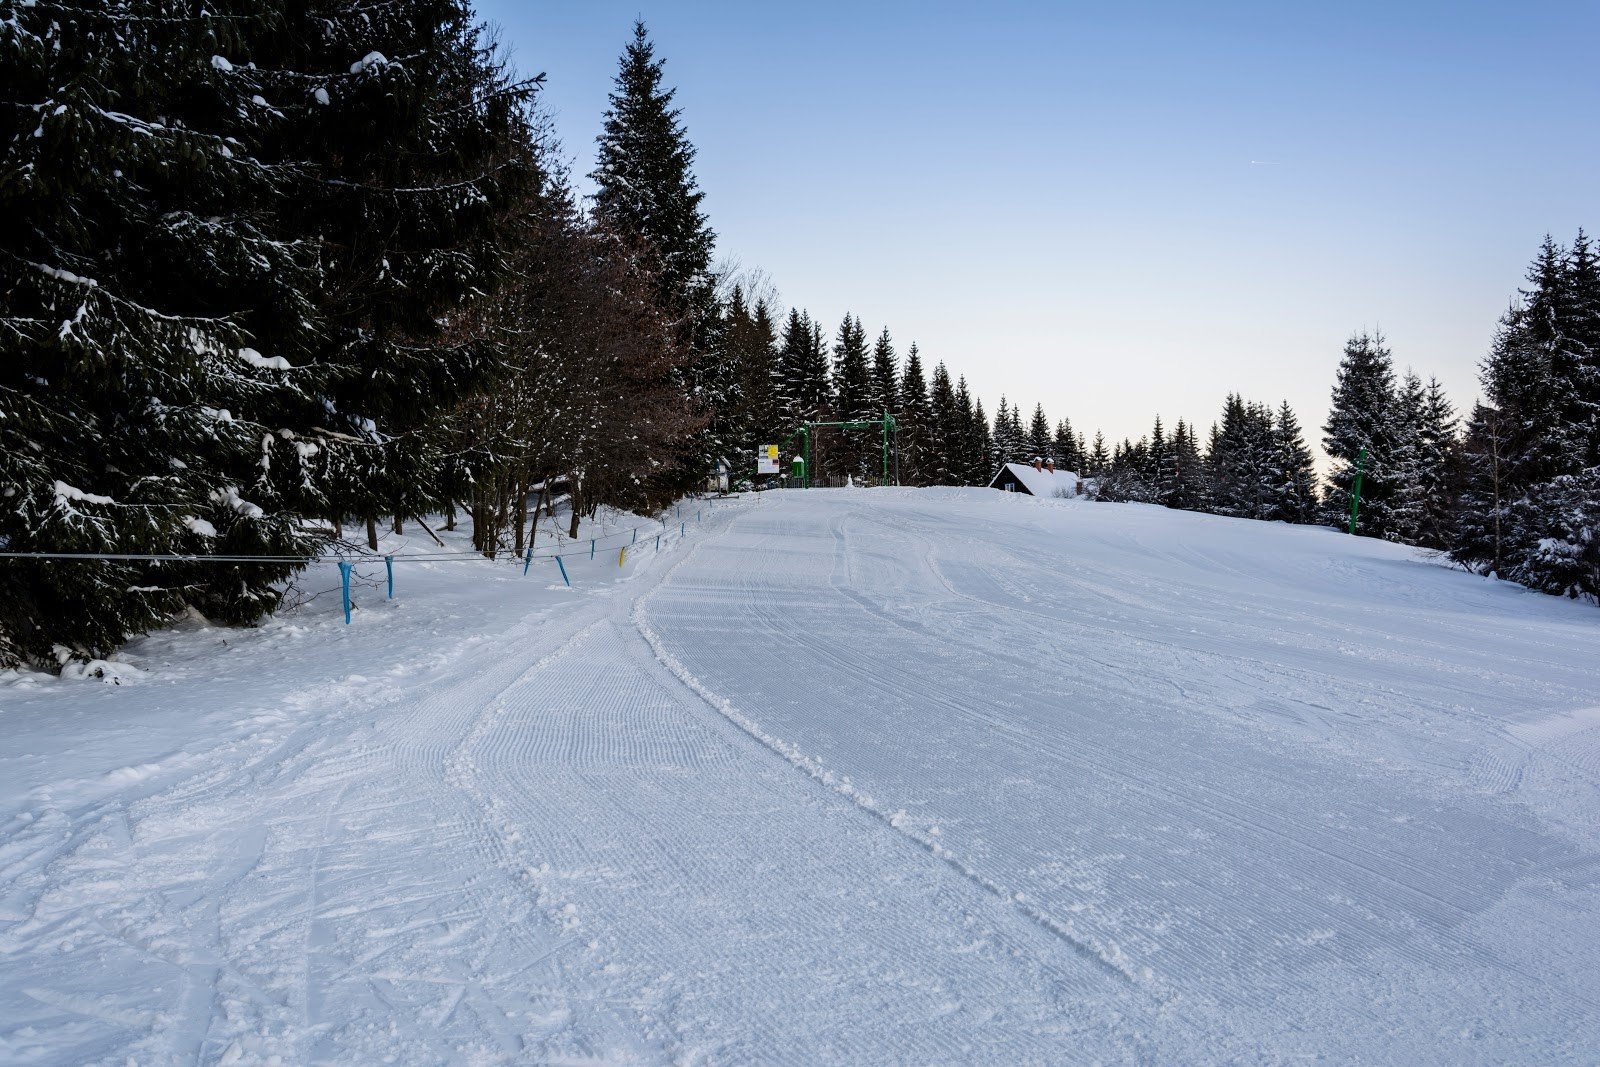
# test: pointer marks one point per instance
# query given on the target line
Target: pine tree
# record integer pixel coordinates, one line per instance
(981, 468)
(1408, 506)
(1532, 442)
(1440, 448)
(1294, 477)
(1191, 489)
(1040, 441)
(1160, 471)
(646, 193)
(885, 394)
(228, 257)
(646, 189)
(915, 415)
(1362, 420)
(1098, 460)
(852, 398)
(945, 431)
(1065, 448)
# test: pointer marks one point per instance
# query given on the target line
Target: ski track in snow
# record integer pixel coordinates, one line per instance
(844, 776)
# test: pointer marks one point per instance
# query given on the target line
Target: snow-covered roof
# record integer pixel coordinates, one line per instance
(1045, 483)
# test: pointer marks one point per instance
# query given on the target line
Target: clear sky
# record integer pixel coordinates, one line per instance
(1119, 210)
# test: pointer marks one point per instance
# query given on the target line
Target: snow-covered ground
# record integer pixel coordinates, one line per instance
(839, 776)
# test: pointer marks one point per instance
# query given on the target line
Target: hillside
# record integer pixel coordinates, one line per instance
(865, 776)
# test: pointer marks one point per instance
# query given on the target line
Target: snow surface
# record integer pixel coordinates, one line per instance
(868, 776)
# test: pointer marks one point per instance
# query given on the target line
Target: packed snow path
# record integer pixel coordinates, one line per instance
(849, 776)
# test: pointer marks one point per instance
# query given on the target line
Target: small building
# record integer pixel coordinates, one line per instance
(1036, 479)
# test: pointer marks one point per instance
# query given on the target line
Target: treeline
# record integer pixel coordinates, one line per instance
(275, 274)
(1515, 492)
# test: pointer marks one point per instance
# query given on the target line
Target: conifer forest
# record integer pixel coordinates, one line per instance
(266, 288)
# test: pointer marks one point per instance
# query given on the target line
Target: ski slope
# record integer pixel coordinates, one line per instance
(859, 776)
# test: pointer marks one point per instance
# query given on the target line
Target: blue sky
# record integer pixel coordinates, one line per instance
(1059, 200)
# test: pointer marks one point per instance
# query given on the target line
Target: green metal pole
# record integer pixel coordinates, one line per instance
(809, 454)
(885, 480)
(1355, 489)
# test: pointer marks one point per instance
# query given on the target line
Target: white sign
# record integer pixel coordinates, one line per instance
(767, 460)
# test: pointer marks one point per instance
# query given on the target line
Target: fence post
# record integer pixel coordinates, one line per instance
(622, 554)
(591, 548)
(344, 581)
(563, 567)
(388, 565)
(635, 536)
(682, 526)
(527, 561)
(658, 542)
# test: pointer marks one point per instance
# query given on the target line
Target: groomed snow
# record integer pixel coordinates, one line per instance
(841, 776)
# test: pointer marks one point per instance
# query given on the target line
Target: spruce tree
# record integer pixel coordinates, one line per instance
(915, 416)
(1098, 459)
(646, 193)
(229, 256)
(885, 392)
(1363, 418)
(646, 188)
(1294, 475)
(945, 431)
(1191, 489)
(1040, 441)
(1064, 446)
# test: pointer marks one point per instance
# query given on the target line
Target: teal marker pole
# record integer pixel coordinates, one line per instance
(1355, 489)
(344, 581)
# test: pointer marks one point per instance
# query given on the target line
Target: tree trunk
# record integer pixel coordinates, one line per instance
(450, 515)
(399, 528)
(372, 534)
(521, 505)
(572, 500)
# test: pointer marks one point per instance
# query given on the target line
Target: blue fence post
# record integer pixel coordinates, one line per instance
(635, 536)
(527, 561)
(683, 528)
(658, 542)
(388, 565)
(591, 548)
(344, 580)
(697, 516)
(563, 567)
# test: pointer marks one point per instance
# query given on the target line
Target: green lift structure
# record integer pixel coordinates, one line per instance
(807, 433)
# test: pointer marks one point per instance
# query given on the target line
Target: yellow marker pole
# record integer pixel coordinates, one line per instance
(622, 555)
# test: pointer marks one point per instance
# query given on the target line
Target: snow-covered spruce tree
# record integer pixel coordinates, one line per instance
(1191, 484)
(915, 415)
(1408, 506)
(1294, 476)
(944, 436)
(1098, 459)
(1041, 442)
(750, 341)
(157, 323)
(1159, 470)
(413, 138)
(646, 190)
(885, 394)
(854, 452)
(1534, 440)
(1064, 447)
(980, 465)
(1363, 416)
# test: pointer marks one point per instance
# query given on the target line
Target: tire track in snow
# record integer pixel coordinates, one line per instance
(1105, 955)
